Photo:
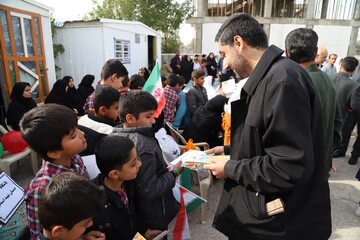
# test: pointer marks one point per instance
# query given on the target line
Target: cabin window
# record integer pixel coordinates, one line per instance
(122, 50)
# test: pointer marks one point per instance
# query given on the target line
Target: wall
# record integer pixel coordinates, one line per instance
(335, 38)
(83, 54)
(138, 51)
(208, 40)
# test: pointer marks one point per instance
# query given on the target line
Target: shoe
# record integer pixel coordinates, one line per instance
(338, 153)
(353, 160)
(357, 212)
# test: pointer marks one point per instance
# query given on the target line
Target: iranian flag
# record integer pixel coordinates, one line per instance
(154, 86)
(189, 201)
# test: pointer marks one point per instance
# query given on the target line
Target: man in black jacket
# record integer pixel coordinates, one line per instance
(277, 144)
(348, 91)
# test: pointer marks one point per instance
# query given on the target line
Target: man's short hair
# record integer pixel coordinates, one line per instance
(136, 102)
(333, 54)
(173, 79)
(113, 66)
(112, 152)
(44, 127)
(197, 73)
(105, 96)
(244, 26)
(350, 64)
(69, 199)
(136, 81)
(301, 45)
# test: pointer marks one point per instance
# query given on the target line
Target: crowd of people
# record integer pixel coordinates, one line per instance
(283, 122)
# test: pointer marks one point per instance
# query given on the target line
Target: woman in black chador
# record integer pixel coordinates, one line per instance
(21, 102)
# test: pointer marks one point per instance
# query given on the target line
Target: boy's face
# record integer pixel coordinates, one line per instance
(74, 142)
(131, 168)
(145, 119)
(199, 81)
(111, 113)
(76, 231)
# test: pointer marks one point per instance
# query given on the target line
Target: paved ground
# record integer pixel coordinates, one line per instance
(345, 196)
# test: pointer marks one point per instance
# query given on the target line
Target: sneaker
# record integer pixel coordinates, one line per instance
(357, 212)
(353, 160)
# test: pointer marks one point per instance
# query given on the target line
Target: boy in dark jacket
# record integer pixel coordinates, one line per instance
(197, 95)
(119, 163)
(155, 204)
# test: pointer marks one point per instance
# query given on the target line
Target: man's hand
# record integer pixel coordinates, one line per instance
(94, 235)
(216, 167)
(219, 150)
(151, 234)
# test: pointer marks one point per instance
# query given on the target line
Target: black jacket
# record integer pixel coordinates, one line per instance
(115, 219)
(347, 91)
(277, 151)
(154, 200)
(196, 97)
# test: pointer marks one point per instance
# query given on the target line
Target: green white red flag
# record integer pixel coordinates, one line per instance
(153, 85)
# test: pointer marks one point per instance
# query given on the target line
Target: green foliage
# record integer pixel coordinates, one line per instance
(171, 44)
(162, 15)
(57, 48)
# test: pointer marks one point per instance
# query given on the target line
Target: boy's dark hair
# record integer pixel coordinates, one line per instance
(136, 81)
(244, 26)
(173, 79)
(49, 121)
(113, 66)
(301, 45)
(136, 102)
(105, 96)
(197, 73)
(350, 64)
(112, 152)
(181, 80)
(163, 78)
(126, 81)
(68, 199)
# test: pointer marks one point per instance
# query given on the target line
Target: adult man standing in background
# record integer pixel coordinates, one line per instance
(348, 92)
(301, 47)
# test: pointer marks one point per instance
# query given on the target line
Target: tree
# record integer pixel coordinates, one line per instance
(57, 48)
(162, 15)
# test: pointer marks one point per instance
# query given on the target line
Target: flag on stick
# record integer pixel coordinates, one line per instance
(153, 85)
(189, 201)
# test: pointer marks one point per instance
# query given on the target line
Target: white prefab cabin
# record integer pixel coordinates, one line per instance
(89, 44)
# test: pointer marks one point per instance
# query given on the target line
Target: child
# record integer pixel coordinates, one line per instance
(137, 82)
(67, 206)
(106, 106)
(197, 95)
(119, 163)
(113, 74)
(202, 67)
(155, 204)
(172, 99)
(51, 131)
